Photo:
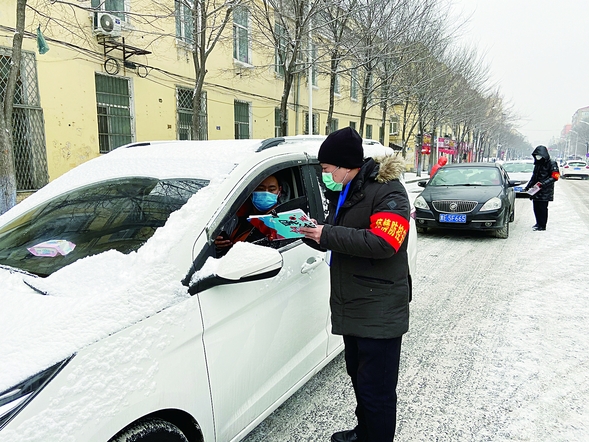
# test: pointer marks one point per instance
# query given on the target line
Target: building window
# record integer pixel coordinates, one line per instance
(394, 130)
(353, 125)
(315, 123)
(113, 100)
(241, 35)
(241, 114)
(184, 21)
(277, 130)
(28, 127)
(280, 51)
(354, 84)
(184, 109)
(336, 89)
(114, 7)
(334, 125)
(369, 131)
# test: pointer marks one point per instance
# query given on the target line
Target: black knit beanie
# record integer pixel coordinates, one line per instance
(342, 148)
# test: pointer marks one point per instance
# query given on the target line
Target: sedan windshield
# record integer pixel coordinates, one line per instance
(466, 176)
(518, 167)
(118, 214)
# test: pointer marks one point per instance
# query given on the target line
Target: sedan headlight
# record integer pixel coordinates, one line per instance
(13, 400)
(493, 204)
(420, 203)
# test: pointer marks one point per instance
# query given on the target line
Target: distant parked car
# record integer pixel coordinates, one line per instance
(574, 168)
(469, 196)
(520, 171)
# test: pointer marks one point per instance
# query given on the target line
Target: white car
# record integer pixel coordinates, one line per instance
(119, 323)
(574, 168)
(521, 171)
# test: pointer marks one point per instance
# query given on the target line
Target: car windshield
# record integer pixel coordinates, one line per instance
(577, 164)
(518, 167)
(118, 214)
(466, 176)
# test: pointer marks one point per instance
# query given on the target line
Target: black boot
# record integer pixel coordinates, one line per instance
(345, 436)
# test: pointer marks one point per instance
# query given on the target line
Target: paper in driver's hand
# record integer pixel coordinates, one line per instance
(534, 189)
(282, 225)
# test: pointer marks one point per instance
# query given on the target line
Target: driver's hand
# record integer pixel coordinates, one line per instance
(222, 243)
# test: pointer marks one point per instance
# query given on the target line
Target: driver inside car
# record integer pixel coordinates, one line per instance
(263, 200)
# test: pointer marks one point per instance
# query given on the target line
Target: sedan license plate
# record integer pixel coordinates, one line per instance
(452, 218)
(577, 168)
(518, 188)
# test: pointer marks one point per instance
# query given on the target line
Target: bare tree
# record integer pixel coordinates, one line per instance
(335, 20)
(286, 28)
(209, 21)
(7, 90)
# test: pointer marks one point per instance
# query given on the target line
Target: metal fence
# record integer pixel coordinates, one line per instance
(28, 126)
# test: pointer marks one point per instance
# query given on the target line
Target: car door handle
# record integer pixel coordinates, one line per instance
(311, 263)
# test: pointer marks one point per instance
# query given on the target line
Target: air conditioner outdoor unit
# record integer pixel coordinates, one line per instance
(107, 24)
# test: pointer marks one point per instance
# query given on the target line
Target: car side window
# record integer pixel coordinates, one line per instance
(292, 196)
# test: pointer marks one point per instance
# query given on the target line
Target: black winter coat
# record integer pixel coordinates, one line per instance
(546, 173)
(370, 282)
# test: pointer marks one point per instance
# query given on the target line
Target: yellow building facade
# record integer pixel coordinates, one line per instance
(100, 86)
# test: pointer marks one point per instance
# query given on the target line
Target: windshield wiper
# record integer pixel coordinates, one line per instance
(16, 270)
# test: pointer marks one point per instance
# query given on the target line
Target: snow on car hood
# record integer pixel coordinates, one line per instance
(91, 298)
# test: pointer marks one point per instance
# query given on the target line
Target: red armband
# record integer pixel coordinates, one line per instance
(392, 227)
(555, 175)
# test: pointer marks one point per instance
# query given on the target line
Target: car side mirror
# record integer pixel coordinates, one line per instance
(512, 183)
(244, 262)
(422, 183)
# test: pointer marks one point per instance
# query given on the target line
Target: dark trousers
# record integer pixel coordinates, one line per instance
(541, 212)
(373, 366)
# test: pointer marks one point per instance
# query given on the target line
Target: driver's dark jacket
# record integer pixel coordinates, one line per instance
(546, 173)
(370, 282)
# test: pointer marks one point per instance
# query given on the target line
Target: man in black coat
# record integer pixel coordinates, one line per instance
(544, 175)
(365, 235)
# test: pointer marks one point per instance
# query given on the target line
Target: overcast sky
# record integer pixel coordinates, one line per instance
(538, 51)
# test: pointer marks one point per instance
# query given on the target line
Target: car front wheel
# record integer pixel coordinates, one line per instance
(150, 430)
(503, 232)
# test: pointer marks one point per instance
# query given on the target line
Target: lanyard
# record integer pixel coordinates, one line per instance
(342, 198)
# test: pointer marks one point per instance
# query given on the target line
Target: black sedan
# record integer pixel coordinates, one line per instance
(470, 196)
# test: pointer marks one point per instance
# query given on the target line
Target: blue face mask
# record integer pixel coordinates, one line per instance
(264, 200)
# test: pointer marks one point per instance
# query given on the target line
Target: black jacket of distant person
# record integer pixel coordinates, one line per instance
(546, 173)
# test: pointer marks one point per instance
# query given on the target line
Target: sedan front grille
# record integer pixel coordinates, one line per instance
(454, 206)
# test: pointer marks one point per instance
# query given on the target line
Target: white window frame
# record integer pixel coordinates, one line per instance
(127, 8)
(394, 126)
(131, 110)
(282, 44)
(314, 70)
(316, 118)
(249, 116)
(236, 39)
(354, 84)
(179, 13)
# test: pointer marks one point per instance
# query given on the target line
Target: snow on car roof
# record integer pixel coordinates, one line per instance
(159, 159)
